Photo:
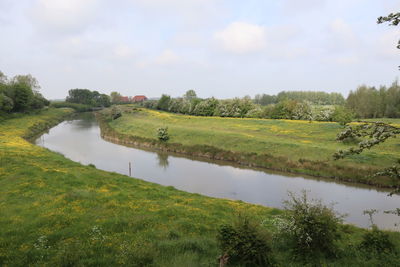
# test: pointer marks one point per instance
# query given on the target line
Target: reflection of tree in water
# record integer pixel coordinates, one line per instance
(162, 160)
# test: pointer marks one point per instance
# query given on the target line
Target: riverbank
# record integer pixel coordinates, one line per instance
(297, 147)
(56, 212)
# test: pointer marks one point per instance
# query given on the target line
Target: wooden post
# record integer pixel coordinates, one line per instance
(130, 172)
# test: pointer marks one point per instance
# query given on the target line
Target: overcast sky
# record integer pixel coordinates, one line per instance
(220, 48)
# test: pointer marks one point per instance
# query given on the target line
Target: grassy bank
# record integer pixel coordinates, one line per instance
(285, 145)
(56, 212)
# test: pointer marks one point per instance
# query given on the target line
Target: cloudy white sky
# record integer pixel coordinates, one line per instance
(221, 48)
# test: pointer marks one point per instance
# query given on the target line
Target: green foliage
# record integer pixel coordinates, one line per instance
(115, 97)
(309, 228)
(206, 107)
(163, 103)
(87, 97)
(75, 106)
(368, 102)
(115, 113)
(22, 97)
(377, 242)
(162, 134)
(245, 243)
(314, 97)
(265, 99)
(189, 95)
(6, 103)
(342, 115)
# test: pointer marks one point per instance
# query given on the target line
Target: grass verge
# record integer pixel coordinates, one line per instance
(56, 212)
(285, 145)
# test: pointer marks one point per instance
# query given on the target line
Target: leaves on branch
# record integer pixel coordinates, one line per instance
(373, 133)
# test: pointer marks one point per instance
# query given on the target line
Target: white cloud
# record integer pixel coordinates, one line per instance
(63, 16)
(123, 51)
(387, 43)
(343, 33)
(167, 57)
(242, 37)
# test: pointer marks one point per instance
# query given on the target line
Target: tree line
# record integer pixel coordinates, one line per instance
(248, 108)
(370, 102)
(313, 97)
(20, 94)
(87, 97)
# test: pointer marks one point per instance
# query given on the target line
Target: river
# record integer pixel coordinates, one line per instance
(80, 140)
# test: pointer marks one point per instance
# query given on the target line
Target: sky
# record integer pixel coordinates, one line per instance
(220, 48)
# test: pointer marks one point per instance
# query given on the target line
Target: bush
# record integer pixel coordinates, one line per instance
(342, 115)
(162, 134)
(309, 228)
(377, 242)
(115, 113)
(245, 243)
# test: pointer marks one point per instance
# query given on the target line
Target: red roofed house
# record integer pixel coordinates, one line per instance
(139, 98)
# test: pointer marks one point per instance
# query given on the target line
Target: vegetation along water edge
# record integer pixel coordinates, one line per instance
(300, 147)
(56, 212)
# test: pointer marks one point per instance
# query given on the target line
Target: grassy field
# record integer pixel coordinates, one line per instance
(56, 212)
(298, 146)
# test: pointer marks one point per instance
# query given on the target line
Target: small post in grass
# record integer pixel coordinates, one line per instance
(130, 172)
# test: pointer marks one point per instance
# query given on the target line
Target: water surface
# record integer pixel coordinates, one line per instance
(80, 140)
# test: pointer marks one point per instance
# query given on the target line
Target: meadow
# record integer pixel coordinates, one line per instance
(56, 212)
(288, 145)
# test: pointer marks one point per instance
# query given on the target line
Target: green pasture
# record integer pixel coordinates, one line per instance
(292, 139)
(56, 212)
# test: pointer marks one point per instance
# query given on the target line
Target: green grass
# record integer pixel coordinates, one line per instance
(300, 146)
(56, 212)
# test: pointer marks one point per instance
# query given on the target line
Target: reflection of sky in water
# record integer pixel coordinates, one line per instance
(80, 141)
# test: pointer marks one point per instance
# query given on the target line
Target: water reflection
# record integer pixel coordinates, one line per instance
(80, 141)
(162, 158)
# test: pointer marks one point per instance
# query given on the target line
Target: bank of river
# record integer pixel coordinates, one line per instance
(80, 140)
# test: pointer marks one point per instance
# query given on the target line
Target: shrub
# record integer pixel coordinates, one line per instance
(115, 113)
(342, 115)
(162, 134)
(376, 242)
(309, 228)
(245, 243)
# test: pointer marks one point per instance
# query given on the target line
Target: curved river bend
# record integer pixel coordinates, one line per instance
(80, 140)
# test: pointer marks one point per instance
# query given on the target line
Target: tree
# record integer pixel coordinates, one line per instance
(3, 78)
(115, 97)
(190, 94)
(163, 103)
(372, 134)
(22, 97)
(27, 80)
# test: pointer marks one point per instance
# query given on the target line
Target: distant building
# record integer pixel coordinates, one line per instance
(139, 98)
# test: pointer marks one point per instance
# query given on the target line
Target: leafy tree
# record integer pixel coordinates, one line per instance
(163, 103)
(115, 97)
(206, 107)
(371, 134)
(22, 97)
(342, 115)
(265, 99)
(190, 94)
(3, 78)
(6, 103)
(27, 80)
(87, 97)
